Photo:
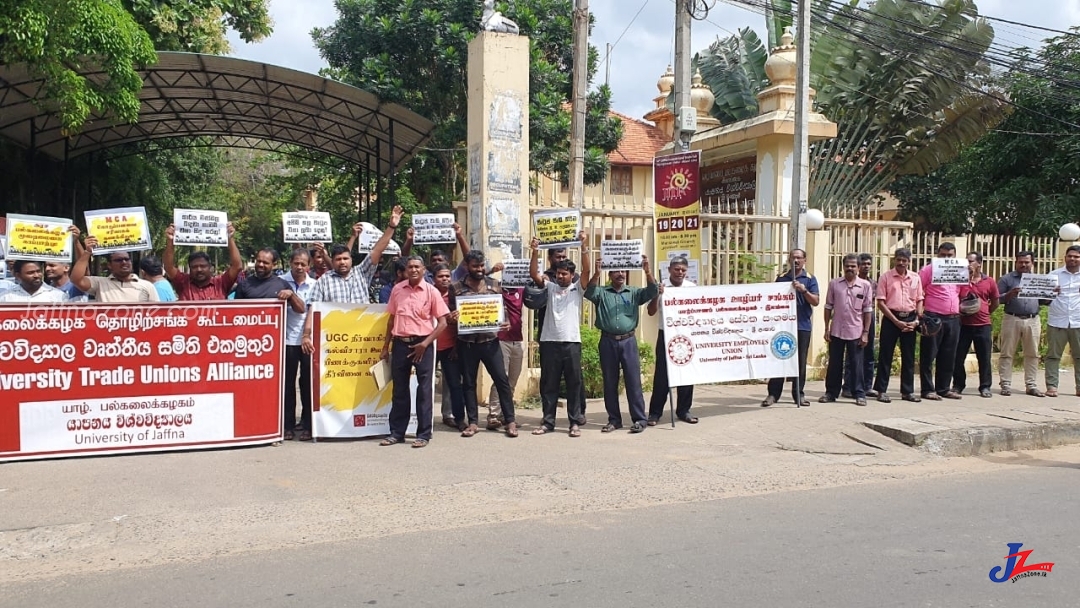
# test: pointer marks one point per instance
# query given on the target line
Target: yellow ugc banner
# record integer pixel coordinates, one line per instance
(347, 402)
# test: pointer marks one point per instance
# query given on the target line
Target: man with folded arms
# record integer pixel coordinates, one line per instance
(849, 309)
(417, 317)
(1021, 325)
(618, 308)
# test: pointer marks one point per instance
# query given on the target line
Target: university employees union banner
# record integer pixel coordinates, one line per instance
(82, 379)
(730, 332)
(677, 212)
(346, 400)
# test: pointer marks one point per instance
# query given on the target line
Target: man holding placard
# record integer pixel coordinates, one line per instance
(1020, 325)
(200, 283)
(122, 284)
(618, 308)
(343, 283)
(475, 347)
(1063, 321)
(941, 280)
(806, 298)
(560, 338)
(677, 269)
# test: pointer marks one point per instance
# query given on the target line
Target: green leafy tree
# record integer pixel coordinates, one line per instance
(897, 76)
(415, 54)
(200, 26)
(59, 38)
(1021, 178)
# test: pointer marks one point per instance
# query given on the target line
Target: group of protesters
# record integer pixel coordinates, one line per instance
(950, 320)
(421, 334)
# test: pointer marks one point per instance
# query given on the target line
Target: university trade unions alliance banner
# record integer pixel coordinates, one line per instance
(730, 332)
(88, 379)
(346, 400)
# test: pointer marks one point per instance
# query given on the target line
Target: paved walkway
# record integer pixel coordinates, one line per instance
(61, 517)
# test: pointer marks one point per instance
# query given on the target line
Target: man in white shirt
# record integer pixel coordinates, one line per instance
(1063, 322)
(676, 278)
(30, 287)
(560, 338)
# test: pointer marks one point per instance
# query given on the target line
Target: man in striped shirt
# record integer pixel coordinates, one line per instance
(345, 284)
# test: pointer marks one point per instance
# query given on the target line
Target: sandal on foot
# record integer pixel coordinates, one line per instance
(469, 431)
(1006, 391)
(860, 402)
(511, 429)
(1034, 392)
(1051, 392)
(768, 401)
(390, 441)
(289, 436)
(575, 431)
(542, 430)
(637, 427)
(688, 419)
(420, 443)
(883, 398)
(609, 428)
(651, 422)
(305, 435)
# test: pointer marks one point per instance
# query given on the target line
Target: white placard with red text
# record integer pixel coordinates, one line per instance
(727, 333)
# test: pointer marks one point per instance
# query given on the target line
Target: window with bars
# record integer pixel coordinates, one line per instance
(621, 181)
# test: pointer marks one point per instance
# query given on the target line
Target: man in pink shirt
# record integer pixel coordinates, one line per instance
(417, 317)
(900, 300)
(849, 310)
(943, 302)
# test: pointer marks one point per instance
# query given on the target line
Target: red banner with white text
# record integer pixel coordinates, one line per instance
(84, 379)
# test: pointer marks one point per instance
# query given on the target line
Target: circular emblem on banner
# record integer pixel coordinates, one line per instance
(680, 350)
(784, 345)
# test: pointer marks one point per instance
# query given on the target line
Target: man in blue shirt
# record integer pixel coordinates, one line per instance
(806, 297)
(296, 360)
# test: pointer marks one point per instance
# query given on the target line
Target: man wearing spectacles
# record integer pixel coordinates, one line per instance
(122, 285)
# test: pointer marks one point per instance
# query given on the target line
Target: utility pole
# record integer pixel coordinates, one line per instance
(685, 115)
(577, 107)
(800, 183)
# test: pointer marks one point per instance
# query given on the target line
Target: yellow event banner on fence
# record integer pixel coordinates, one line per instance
(124, 229)
(346, 400)
(677, 212)
(33, 237)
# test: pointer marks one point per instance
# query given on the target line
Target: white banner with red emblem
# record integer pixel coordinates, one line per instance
(727, 333)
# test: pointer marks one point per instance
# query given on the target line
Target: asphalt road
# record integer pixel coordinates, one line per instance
(907, 542)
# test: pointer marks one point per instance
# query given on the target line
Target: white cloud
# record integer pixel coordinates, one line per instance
(646, 47)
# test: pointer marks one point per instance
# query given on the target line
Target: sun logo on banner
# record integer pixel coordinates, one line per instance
(678, 184)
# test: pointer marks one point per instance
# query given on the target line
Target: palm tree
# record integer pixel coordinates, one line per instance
(901, 78)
